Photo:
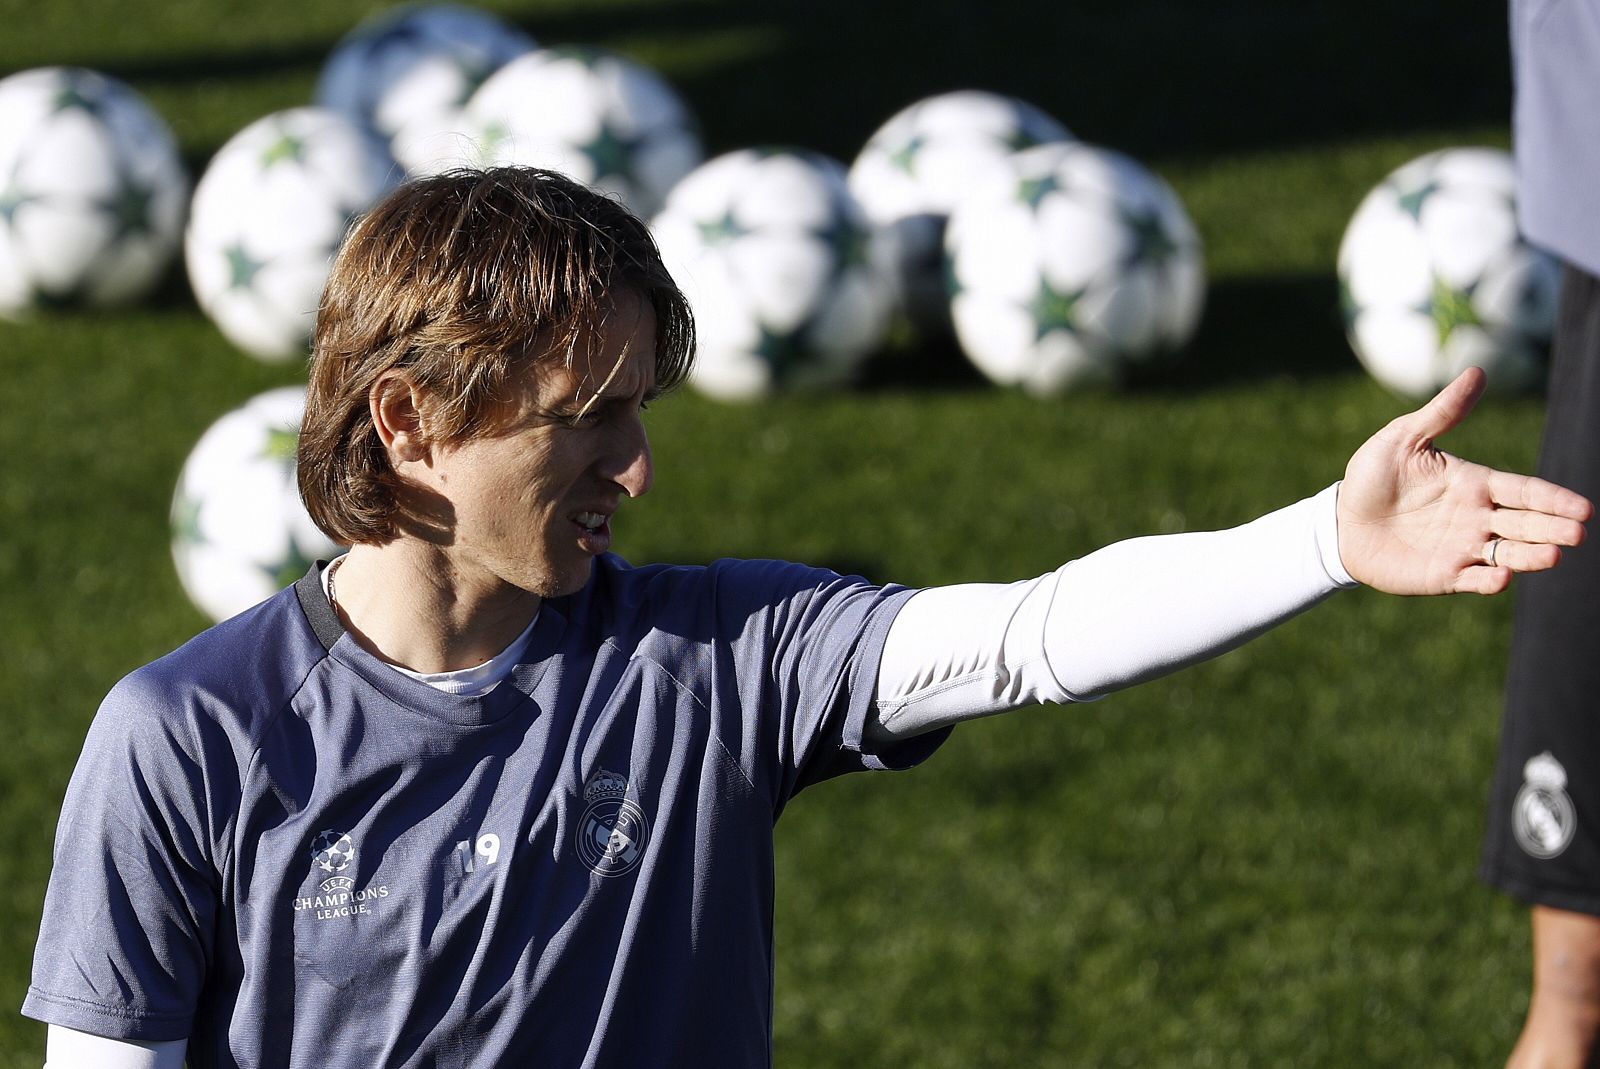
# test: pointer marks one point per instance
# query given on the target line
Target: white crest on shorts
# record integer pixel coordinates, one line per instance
(613, 831)
(1542, 817)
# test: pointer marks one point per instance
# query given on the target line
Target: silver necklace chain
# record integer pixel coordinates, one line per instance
(333, 597)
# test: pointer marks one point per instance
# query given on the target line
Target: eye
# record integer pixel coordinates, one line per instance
(581, 416)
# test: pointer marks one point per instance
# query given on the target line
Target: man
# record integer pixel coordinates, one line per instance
(1541, 843)
(479, 793)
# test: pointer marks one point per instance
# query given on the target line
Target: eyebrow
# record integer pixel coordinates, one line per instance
(599, 396)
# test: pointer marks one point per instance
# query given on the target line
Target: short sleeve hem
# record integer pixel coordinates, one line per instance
(886, 755)
(108, 1022)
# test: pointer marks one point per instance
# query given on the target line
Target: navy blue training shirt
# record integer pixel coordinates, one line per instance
(293, 855)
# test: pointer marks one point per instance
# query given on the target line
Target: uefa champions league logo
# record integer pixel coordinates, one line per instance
(613, 831)
(332, 851)
(337, 896)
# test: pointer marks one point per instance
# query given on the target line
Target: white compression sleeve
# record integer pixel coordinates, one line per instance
(1124, 614)
(65, 1048)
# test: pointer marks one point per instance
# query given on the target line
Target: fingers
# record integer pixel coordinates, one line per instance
(1483, 581)
(1535, 527)
(1519, 540)
(1449, 406)
(1525, 492)
(1509, 558)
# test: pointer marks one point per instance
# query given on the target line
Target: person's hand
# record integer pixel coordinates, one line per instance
(1416, 520)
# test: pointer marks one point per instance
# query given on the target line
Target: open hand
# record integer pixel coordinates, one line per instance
(1416, 520)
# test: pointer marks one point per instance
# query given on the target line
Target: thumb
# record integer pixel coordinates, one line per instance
(1449, 406)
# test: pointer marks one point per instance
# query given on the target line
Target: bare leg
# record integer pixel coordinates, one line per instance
(1564, 1013)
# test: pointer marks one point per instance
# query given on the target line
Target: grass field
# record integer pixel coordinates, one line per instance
(1265, 861)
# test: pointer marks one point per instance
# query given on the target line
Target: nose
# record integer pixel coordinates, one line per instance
(636, 471)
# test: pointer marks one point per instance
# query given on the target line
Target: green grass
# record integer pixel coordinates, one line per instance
(1266, 860)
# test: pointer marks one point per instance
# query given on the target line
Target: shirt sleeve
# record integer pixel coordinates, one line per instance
(803, 645)
(1122, 615)
(134, 888)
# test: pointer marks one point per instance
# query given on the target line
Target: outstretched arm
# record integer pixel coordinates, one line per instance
(1408, 519)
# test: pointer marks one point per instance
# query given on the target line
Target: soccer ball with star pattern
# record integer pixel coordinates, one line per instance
(917, 166)
(1071, 268)
(92, 191)
(604, 120)
(1435, 278)
(267, 217)
(239, 531)
(786, 277)
(407, 75)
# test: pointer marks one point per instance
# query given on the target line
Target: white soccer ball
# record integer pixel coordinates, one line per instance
(92, 191)
(239, 531)
(1435, 278)
(408, 72)
(1076, 266)
(267, 217)
(604, 120)
(917, 166)
(786, 278)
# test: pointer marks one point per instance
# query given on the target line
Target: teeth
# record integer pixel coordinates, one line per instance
(591, 520)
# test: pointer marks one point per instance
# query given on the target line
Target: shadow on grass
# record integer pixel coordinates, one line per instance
(1261, 328)
(1253, 329)
(935, 363)
(174, 292)
(1155, 78)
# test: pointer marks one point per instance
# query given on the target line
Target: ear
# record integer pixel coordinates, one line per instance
(396, 406)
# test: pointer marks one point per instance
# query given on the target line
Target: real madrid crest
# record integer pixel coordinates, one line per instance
(1542, 817)
(613, 831)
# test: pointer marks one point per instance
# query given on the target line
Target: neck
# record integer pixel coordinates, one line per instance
(406, 603)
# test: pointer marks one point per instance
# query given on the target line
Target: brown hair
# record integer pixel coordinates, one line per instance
(465, 280)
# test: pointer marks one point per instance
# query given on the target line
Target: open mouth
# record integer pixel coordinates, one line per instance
(594, 531)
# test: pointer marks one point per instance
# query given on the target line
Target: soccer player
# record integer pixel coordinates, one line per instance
(479, 793)
(1542, 843)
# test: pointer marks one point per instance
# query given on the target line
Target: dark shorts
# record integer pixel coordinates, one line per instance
(1543, 841)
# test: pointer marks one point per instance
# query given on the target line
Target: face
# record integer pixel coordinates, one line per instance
(533, 503)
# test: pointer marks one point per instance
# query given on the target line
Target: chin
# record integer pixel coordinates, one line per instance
(560, 584)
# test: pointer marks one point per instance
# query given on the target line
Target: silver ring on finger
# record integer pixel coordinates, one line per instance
(1493, 550)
